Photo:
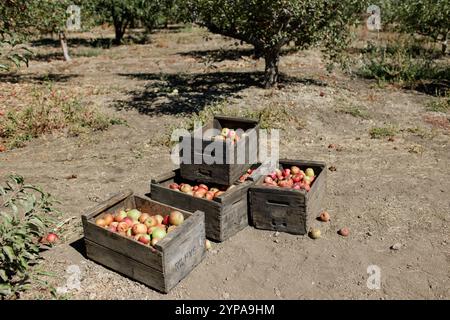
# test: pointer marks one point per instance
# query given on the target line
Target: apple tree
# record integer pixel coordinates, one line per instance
(123, 13)
(269, 25)
(430, 18)
(20, 19)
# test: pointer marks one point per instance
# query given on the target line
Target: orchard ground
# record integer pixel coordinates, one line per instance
(389, 191)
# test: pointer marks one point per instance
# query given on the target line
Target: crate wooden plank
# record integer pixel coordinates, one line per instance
(126, 266)
(185, 250)
(288, 210)
(228, 169)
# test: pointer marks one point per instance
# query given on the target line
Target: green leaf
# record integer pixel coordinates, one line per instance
(9, 253)
(3, 275)
(5, 289)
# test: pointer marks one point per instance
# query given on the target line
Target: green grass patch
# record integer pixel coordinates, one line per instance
(50, 110)
(382, 132)
(355, 111)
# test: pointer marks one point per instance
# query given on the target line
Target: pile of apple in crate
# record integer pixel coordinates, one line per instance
(159, 238)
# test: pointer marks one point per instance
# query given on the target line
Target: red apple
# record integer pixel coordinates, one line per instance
(144, 238)
(273, 175)
(324, 216)
(174, 186)
(51, 237)
(203, 186)
(120, 216)
(143, 217)
(268, 179)
(166, 220)
(296, 187)
(176, 218)
(114, 224)
(283, 184)
(129, 221)
(122, 227)
(139, 229)
(112, 228)
(344, 232)
(286, 172)
(296, 178)
(194, 188)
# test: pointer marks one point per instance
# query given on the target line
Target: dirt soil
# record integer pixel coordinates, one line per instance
(393, 194)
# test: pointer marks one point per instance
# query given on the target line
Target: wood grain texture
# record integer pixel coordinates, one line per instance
(228, 167)
(288, 210)
(126, 266)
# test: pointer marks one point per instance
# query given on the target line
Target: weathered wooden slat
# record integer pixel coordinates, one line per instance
(185, 251)
(126, 266)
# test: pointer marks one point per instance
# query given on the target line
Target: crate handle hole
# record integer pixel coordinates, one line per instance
(207, 173)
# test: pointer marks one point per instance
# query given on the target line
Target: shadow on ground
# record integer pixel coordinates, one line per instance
(182, 94)
(38, 79)
(79, 246)
(218, 55)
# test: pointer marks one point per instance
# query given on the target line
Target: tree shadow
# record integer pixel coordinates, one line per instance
(104, 43)
(218, 55)
(38, 79)
(184, 94)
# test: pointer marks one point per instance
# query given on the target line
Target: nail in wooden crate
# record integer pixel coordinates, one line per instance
(160, 267)
(224, 216)
(285, 209)
(229, 166)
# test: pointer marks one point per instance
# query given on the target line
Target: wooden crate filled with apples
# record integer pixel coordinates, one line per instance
(225, 207)
(148, 241)
(235, 140)
(289, 198)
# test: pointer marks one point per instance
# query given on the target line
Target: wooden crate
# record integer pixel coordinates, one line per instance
(288, 210)
(224, 172)
(224, 216)
(160, 267)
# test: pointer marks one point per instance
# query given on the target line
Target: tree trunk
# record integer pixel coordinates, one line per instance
(445, 44)
(119, 32)
(64, 46)
(272, 58)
